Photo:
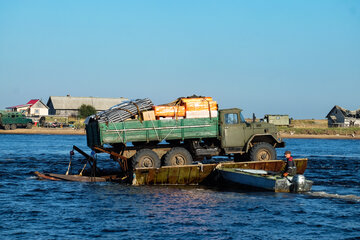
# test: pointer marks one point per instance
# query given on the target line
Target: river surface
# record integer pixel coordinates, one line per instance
(34, 209)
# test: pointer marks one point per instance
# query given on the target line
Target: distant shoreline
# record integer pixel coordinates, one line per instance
(46, 131)
(70, 131)
(319, 136)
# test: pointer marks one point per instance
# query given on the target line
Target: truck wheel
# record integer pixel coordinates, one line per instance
(146, 158)
(262, 152)
(7, 127)
(178, 156)
(28, 125)
(13, 126)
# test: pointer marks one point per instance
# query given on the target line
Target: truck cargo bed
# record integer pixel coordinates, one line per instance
(99, 134)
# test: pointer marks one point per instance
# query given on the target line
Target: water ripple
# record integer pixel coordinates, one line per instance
(33, 209)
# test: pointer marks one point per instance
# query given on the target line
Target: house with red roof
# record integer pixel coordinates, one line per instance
(35, 107)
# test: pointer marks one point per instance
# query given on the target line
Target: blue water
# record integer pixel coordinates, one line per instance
(33, 209)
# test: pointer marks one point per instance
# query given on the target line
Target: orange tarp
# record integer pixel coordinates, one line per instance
(169, 111)
(197, 107)
(201, 105)
(201, 114)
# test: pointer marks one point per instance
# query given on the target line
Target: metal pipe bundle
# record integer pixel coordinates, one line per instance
(125, 110)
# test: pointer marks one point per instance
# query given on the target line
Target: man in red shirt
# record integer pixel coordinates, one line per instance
(290, 167)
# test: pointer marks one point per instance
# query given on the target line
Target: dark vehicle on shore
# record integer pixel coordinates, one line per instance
(54, 121)
(176, 142)
(13, 120)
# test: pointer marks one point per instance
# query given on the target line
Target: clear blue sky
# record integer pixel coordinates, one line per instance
(280, 57)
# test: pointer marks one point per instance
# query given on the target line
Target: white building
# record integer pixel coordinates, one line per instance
(35, 107)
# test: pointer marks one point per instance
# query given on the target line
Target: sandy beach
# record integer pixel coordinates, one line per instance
(70, 131)
(37, 130)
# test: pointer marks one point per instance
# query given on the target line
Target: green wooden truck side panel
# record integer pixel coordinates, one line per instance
(99, 134)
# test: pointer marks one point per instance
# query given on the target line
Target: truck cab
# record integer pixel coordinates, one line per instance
(255, 140)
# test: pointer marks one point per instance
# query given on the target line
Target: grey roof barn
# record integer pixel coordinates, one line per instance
(69, 106)
(341, 117)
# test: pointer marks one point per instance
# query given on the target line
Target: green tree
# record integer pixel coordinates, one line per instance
(86, 110)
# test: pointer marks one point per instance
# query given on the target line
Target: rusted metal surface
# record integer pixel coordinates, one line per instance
(301, 165)
(272, 165)
(171, 175)
(45, 176)
(196, 174)
(74, 178)
(77, 178)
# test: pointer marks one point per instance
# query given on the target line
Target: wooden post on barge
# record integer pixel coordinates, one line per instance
(119, 158)
(91, 160)
(116, 157)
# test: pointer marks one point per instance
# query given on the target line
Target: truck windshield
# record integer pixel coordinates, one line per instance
(242, 118)
(233, 118)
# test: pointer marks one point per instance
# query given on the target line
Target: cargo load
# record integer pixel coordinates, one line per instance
(148, 115)
(123, 111)
(145, 110)
(190, 107)
(169, 111)
(201, 114)
(201, 105)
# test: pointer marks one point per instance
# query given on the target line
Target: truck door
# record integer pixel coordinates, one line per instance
(232, 130)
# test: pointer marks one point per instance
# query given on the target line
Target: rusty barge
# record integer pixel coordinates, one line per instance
(194, 174)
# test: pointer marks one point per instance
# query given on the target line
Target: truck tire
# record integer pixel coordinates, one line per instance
(13, 126)
(7, 127)
(178, 156)
(28, 125)
(262, 152)
(146, 158)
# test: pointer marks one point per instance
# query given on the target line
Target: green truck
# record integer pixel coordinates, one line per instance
(175, 142)
(13, 120)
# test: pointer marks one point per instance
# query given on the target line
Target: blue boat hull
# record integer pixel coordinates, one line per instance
(248, 180)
